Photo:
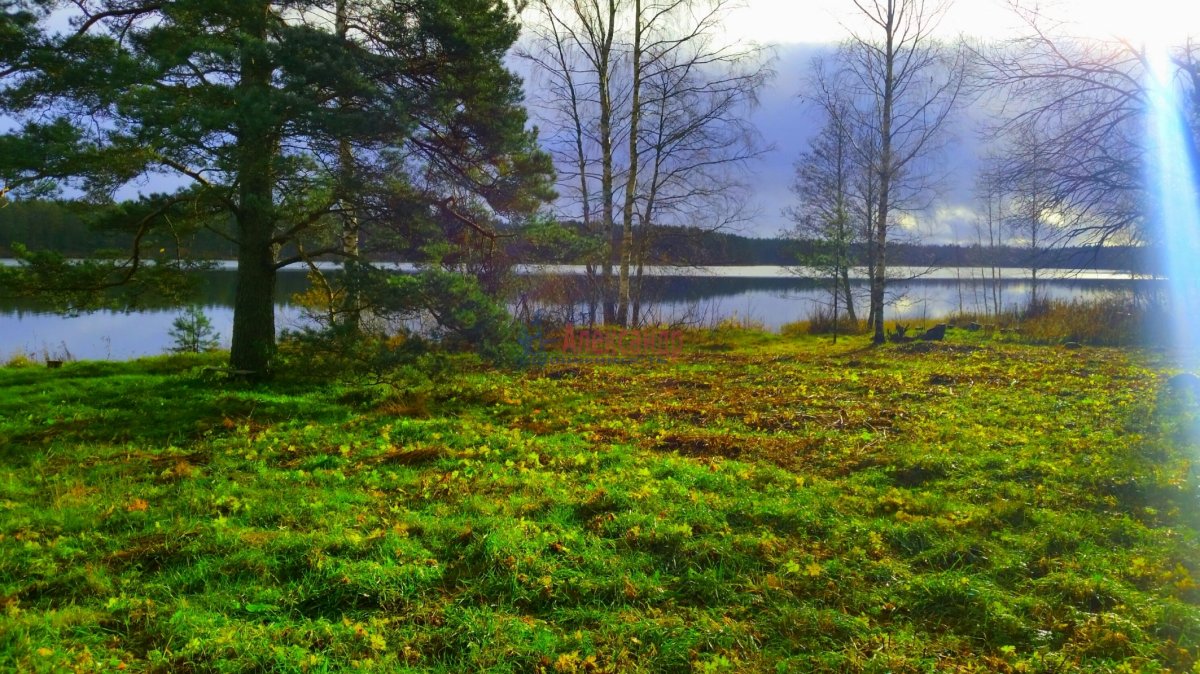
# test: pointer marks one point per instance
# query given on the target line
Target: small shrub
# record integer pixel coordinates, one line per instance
(193, 332)
(1109, 322)
(341, 352)
(1037, 307)
(794, 329)
(821, 322)
(1115, 321)
(467, 318)
(18, 360)
(60, 355)
(736, 323)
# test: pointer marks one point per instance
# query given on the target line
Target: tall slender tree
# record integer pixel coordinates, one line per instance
(992, 222)
(823, 186)
(576, 47)
(906, 84)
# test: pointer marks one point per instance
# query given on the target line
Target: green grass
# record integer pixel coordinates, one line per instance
(761, 504)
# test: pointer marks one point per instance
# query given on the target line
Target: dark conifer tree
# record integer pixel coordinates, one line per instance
(248, 102)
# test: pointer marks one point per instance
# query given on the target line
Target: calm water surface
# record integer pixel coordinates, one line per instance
(772, 296)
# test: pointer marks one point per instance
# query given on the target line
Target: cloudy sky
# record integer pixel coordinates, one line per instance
(807, 21)
(801, 29)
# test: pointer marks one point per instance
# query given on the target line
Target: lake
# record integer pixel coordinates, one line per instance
(771, 296)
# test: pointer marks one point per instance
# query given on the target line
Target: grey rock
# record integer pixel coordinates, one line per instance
(1184, 381)
(935, 334)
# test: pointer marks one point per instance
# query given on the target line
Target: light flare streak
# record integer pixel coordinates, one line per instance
(1174, 204)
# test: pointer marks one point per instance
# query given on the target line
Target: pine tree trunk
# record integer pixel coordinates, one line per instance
(350, 228)
(254, 303)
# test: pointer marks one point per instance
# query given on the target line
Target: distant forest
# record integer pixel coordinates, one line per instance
(49, 225)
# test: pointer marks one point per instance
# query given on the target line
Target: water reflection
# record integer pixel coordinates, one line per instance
(771, 298)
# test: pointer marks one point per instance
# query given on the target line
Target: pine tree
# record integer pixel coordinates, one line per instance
(249, 103)
(193, 332)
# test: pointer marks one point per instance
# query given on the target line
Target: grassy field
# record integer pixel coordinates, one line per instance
(759, 504)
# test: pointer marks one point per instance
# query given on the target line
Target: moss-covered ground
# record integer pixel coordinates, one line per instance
(757, 504)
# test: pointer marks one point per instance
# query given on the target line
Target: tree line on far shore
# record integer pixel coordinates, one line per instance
(56, 226)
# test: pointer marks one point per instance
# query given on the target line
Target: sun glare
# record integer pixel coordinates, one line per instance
(1153, 23)
(1175, 213)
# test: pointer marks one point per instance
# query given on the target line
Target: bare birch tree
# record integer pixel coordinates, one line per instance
(649, 75)
(906, 84)
(991, 222)
(574, 53)
(825, 175)
(1072, 116)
